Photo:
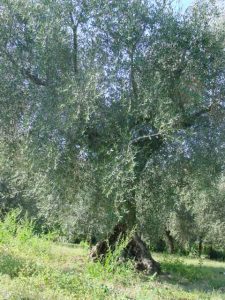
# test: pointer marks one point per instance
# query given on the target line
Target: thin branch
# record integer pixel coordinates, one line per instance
(192, 118)
(34, 78)
(147, 137)
(132, 76)
(73, 21)
(180, 125)
(75, 43)
(27, 72)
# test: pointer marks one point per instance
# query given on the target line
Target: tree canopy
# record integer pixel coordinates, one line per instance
(113, 112)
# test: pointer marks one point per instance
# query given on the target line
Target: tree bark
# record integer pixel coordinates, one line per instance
(138, 250)
(75, 43)
(75, 50)
(135, 249)
(169, 241)
(200, 247)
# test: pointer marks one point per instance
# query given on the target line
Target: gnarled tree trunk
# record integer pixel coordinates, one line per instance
(135, 249)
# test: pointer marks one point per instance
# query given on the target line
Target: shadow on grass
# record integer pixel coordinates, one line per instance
(193, 277)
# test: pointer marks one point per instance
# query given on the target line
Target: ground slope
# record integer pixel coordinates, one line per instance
(36, 268)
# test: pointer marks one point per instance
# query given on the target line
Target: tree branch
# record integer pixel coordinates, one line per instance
(75, 43)
(34, 78)
(27, 72)
(146, 137)
(180, 125)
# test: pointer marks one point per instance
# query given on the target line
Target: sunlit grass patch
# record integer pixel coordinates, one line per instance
(35, 267)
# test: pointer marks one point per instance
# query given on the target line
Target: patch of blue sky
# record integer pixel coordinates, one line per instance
(183, 4)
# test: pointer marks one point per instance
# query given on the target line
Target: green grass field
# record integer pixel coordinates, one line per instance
(37, 268)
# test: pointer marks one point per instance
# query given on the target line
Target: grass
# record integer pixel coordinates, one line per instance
(33, 267)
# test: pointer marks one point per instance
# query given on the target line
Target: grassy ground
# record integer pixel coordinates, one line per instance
(37, 268)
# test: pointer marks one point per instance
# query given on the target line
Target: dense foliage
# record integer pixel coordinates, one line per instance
(113, 111)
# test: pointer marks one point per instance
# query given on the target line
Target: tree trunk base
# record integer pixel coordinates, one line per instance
(136, 249)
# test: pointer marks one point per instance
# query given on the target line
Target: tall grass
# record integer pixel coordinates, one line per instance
(33, 261)
(113, 265)
(18, 234)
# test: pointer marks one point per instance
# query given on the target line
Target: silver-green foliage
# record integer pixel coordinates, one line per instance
(104, 111)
